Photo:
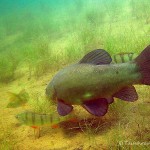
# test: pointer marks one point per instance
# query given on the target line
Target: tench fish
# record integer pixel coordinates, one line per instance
(94, 81)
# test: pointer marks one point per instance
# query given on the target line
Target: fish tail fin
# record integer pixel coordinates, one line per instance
(143, 61)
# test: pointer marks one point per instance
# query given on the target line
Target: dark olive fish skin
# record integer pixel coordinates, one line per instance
(73, 82)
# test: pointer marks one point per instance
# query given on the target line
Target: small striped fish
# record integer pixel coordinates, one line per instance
(124, 57)
(34, 119)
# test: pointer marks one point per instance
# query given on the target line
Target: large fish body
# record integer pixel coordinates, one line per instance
(94, 81)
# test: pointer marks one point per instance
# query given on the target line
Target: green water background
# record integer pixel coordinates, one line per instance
(42, 36)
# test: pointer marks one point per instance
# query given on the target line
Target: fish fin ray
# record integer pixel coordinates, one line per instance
(127, 94)
(96, 57)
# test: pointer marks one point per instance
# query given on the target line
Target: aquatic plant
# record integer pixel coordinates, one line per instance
(89, 133)
(141, 123)
(127, 117)
(92, 128)
(8, 66)
(137, 10)
(40, 104)
(44, 62)
(88, 38)
(42, 67)
(38, 58)
(6, 142)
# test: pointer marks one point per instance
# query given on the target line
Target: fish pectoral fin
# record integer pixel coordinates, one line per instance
(127, 94)
(63, 109)
(96, 57)
(97, 107)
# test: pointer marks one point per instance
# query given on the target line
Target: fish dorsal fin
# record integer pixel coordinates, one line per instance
(97, 57)
(127, 94)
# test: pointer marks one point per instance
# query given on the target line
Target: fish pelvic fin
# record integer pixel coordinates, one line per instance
(143, 62)
(63, 108)
(97, 57)
(96, 107)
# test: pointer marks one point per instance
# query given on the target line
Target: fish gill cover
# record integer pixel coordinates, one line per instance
(40, 37)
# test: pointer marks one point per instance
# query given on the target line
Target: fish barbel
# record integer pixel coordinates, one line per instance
(93, 82)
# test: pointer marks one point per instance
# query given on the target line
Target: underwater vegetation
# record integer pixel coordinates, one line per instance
(8, 68)
(37, 39)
